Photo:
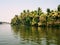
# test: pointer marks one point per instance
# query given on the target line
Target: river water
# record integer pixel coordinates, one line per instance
(25, 35)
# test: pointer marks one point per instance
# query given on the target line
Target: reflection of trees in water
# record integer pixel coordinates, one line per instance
(15, 30)
(40, 35)
(53, 35)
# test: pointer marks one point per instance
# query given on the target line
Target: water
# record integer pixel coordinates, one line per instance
(24, 35)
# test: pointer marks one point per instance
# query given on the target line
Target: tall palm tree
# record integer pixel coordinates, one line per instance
(24, 13)
(28, 13)
(58, 11)
(39, 11)
(48, 11)
(58, 8)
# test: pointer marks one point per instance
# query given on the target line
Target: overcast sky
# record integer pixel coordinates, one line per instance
(8, 8)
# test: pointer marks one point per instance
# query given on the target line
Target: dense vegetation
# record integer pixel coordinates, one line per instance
(38, 17)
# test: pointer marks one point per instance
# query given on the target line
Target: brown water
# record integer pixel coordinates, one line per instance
(25, 35)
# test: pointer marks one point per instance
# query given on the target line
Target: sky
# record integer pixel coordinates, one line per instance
(10, 8)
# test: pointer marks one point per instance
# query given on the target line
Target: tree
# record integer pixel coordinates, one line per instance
(48, 11)
(15, 20)
(39, 11)
(28, 13)
(24, 11)
(35, 12)
(27, 22)
(58, 8)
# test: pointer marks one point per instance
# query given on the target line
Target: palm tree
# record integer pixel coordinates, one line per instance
(35, 12)
(58, 11)
(24, 13)
(58, 8)
(24, 16)
(48, 11)
(27, 13)
(21, 15)
(17, 19)
(39, 11)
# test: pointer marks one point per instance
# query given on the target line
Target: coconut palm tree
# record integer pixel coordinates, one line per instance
(48, 11)
(28, 13)
(39, 11)
(58, 8)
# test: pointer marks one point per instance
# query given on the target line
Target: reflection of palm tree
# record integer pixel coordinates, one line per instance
(15, 30)
(37, 34)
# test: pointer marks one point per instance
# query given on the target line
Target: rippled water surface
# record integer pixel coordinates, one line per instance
(25, 35)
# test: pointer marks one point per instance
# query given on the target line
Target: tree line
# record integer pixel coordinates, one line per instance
(38, 17)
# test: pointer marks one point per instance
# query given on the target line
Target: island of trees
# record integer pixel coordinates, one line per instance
(38, 17)
(4, 23)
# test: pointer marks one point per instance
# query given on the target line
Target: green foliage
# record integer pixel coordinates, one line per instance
(27, 20)
(36, 19)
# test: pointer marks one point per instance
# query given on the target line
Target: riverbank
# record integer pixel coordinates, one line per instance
(4, 23)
